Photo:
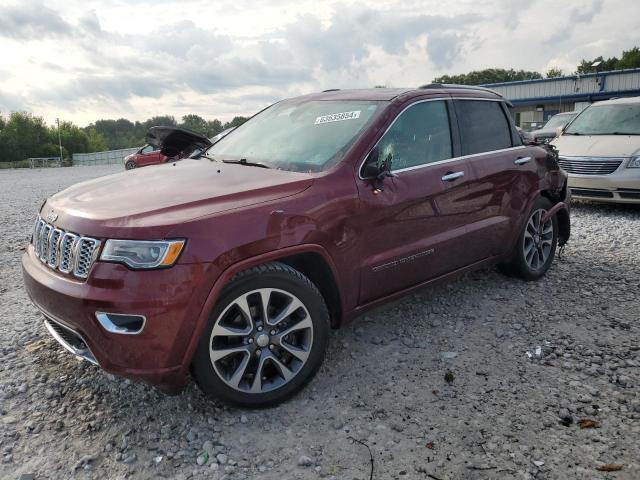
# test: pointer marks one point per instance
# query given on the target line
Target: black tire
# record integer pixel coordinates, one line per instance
(130, 165)
(517, 264)
(282, 278)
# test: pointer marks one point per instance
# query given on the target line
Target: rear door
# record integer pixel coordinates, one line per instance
(413, 230)
(504, 175)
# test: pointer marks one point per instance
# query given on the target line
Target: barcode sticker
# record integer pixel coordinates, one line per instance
(338, 117)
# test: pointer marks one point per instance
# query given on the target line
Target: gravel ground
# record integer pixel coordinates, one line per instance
(483, 377)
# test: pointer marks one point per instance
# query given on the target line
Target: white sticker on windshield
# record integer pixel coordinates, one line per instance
(338, 117)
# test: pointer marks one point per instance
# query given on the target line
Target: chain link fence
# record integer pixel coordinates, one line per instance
(43, 162)
(102, 158)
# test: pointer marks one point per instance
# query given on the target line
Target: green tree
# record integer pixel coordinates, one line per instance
(236, 122)
(489, 75)
(96, 141)
(22, 136)
(73, 138)
(598, 64)
(554, 72)
(214, 127)
(630, 59)
(117, 134)
(195, 123)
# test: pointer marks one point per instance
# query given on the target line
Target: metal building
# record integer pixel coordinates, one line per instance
(535, 101)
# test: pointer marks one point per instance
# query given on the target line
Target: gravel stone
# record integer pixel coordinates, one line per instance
(382, 383)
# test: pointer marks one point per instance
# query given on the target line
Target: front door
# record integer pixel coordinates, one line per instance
(149, 155)
(414, 229)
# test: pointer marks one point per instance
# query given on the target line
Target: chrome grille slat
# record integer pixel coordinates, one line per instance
(64, 251)
(54, 247)
(590, 166)
(44, 242)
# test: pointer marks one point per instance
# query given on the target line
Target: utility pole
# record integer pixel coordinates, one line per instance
(59, 140)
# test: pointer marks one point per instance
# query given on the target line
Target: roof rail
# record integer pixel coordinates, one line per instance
(455, 86)
(331, 90)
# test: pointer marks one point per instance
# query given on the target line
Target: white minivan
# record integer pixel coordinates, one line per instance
(600, 149)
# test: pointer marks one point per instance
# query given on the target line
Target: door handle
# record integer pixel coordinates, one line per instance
(450, 177)
(521, 160)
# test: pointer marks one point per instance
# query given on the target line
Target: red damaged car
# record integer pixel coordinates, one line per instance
(233, 267)
(179, 143)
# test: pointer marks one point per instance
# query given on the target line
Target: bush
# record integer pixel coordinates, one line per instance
(18, 164)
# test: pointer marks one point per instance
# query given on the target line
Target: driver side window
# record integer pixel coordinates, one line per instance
(419, 136)
(147, 149)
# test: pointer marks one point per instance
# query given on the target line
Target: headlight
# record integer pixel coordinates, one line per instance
(142, 254)
(634, 162)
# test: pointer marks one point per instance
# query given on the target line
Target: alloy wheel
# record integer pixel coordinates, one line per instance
(538, 240)
(261, 340)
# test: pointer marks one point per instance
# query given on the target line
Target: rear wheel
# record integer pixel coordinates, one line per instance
(536, 246)
(130, 165)
(265, 339)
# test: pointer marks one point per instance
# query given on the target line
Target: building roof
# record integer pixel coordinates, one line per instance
(577, 76)
(589, 87)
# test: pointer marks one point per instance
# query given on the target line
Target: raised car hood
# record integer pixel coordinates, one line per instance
(597, 145)
(150, 201)
(173, 141)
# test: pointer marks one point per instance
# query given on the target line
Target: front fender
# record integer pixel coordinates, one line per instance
(226, 275)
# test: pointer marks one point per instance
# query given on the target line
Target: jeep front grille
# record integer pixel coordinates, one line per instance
(63, 251)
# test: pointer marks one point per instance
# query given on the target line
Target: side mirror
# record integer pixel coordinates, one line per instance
(374, 168)
(559, 131)
(371, 167)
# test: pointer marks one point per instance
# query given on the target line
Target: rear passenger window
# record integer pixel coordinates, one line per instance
(483, 126)
(420, 135)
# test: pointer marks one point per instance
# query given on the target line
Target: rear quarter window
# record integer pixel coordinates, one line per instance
(483, 126)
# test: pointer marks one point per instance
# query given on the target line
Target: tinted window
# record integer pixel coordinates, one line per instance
(420, 135)
(483, 126)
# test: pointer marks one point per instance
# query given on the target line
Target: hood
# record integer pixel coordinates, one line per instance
(544, 132)
(173, 141)
(597, 145)
(152, 200)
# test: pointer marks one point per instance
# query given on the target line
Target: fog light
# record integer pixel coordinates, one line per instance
(121, 323)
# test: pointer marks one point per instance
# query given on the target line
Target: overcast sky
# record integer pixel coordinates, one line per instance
(83, 60)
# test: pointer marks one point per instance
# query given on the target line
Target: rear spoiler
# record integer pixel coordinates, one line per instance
(173, 141)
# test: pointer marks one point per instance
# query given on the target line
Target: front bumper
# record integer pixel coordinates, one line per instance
(622, 186)
(171, 300)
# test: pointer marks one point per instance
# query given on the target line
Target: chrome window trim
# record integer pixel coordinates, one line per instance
(439, 162)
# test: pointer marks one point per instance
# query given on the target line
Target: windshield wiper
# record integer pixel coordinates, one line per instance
(243, 161)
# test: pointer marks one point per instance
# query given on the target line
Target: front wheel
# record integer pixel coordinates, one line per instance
(130, 165)
(536, 245)
(265, 339)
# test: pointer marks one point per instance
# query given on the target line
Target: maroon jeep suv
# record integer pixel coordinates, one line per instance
(234, 266)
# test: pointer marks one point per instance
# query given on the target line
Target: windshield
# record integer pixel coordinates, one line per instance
(621, 119)
(300, 137)
(559, 120)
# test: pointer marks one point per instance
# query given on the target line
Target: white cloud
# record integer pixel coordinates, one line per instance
(87, 59)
